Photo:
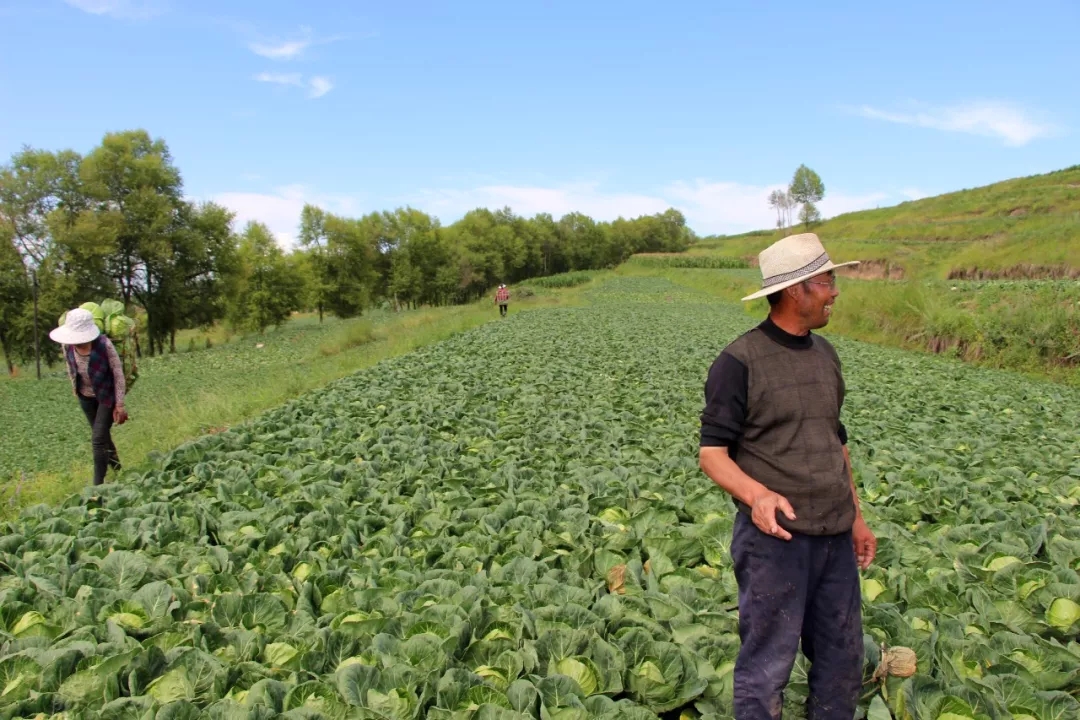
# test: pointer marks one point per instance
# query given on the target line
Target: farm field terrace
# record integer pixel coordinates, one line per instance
(512, 524)
(46, 449)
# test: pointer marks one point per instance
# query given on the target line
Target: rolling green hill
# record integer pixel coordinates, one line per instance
(990, 275)
(1026, 227)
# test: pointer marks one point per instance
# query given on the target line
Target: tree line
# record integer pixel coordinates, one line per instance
(115, 223)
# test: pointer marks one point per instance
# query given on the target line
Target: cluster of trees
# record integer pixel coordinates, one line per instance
(115, 223)
(805, 190)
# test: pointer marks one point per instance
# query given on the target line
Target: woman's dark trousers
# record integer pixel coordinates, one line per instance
(101, 420)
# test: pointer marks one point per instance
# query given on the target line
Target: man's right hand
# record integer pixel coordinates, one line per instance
(764, 503)
(763, 513)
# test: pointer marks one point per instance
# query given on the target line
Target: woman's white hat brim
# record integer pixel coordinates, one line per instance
(777, 287)
(78, 328)
(67, 336)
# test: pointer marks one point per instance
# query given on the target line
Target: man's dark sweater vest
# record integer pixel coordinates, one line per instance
(790, 442)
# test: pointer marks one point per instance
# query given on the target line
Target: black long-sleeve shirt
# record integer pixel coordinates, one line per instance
(724, 415)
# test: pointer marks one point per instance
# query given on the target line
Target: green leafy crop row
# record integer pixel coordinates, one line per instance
(672, 260)
(511, 524)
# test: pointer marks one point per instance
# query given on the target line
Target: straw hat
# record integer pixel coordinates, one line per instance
(78, 328)
(789, 261)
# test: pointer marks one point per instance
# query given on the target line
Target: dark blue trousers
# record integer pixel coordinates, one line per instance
(805, 589)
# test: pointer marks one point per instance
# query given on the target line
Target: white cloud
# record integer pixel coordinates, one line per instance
(285, 50)
(280, 210)
(914, 193)
(723, 207)
(1009, 123)
(290, 49)
(281, 78)
(120, 9)
(319, 86)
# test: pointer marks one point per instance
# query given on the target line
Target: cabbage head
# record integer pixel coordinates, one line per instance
(95, 310)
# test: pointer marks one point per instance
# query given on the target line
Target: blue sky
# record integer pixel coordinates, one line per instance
(611, 108)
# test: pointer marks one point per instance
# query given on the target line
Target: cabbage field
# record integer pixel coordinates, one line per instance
(511, 524)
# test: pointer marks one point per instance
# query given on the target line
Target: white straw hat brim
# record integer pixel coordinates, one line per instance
(788, 282)
(67, 336)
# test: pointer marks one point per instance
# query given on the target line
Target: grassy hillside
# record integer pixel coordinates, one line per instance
(1031, 221)
(990, 275)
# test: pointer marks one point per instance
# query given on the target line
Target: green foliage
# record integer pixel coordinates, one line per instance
(809, 214)
(563, 280)
(806, 186)
(715, 262)
(341, 256)
(114, 222)
(15, 294)
(435, 537)
(347, 336)
(807, 189)
(1032, 324)
(269, 288)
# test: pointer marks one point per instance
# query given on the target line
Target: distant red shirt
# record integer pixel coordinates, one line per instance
(502, 296)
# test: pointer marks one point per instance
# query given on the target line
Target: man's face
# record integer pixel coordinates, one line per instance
(816, 299)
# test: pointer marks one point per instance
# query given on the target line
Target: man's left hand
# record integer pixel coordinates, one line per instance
(865, 543)
(119, 415)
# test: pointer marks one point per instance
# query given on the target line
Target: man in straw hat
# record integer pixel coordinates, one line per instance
(771, 437)
(97, 377)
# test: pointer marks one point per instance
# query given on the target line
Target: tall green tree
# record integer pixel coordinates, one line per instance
(342, 255)
(807, 189)
(14, 297)
(29, 192)
(544, 235)
(492, 248)
(586, 241)
(268, 287)
(136, 194)
(35, 186)
(351, 262)
(314, 239)
(199, 270)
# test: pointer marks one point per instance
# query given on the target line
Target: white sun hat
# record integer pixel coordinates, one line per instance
(78, 328)
(789, 261)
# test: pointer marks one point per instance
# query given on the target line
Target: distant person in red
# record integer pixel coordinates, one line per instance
(502, 297)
